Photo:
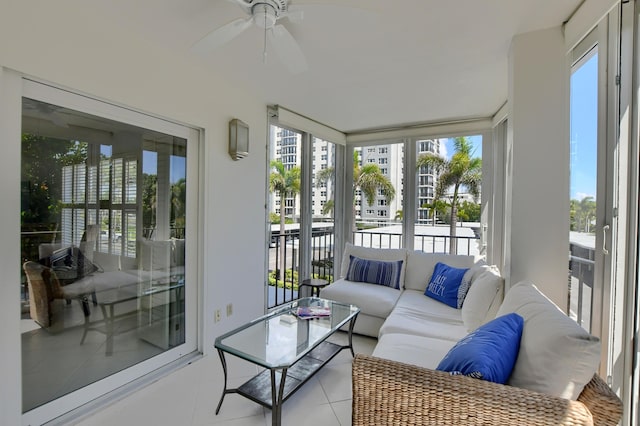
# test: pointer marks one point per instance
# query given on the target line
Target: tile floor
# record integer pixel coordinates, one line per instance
(190, 395)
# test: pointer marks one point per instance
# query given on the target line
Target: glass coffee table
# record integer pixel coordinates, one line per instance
(290, 348)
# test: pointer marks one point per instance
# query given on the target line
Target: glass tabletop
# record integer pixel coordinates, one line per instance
(281, 338)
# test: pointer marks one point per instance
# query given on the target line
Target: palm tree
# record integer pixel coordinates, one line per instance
(287, 183)
(368, 178)
(324, 177)
(460, 170)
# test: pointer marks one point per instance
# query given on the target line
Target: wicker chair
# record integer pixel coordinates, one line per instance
(44, 287)
(391, 393)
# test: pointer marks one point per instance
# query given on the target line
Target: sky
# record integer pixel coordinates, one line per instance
(448, 149)
(584, 128)
(150, 165)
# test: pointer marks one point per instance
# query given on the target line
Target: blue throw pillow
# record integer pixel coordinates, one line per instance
(447, 286)
(374, 271)
(488, 353)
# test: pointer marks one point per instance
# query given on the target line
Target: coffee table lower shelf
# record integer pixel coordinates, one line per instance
(259, 388)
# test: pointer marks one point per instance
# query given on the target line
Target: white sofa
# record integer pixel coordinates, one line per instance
(385, 310)
(555, 369)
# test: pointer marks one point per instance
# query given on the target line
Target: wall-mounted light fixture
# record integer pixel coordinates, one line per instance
(238, 139)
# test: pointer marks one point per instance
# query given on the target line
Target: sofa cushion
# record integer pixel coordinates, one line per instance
(483, 298)
(489, 352)
(420, 265)
(376, 300)
(419, 315)
(375, 271)
(557, 356)
(447, 286)
(387, 255)
(415, 350)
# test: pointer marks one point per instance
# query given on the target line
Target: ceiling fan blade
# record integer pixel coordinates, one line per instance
(295, 14)
(222, 35)
(287, 49)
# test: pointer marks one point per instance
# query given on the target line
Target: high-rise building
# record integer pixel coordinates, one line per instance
(287, 148)
(426, 180)
(389, 158)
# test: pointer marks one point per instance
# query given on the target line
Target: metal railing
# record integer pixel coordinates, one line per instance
(425, 243)
(581, 279)
(284, 288)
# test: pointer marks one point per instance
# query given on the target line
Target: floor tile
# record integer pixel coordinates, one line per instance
(189, 396)
(342, 410)
(335, 380)
(301, 415)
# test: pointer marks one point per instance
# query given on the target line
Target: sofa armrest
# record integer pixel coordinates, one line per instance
(390, 393)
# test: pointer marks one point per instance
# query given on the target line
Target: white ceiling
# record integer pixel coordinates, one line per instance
(372, 63)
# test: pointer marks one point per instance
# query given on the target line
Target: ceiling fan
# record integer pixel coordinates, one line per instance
(264, 14)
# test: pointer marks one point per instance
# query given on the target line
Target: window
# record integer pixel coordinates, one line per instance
(371, 160)
(434, 209)
(384, 226)
(375, 228)
(104, 215)
(309, 174)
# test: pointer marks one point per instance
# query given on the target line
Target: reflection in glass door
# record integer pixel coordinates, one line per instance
(103, 215)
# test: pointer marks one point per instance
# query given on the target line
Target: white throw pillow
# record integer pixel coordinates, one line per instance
(483, 298)
(557, 356)
(386, 255)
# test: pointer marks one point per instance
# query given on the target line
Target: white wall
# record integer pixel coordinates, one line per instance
(537, 207)
(70, 48)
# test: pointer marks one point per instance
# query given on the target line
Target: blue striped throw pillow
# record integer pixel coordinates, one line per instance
(374, 271)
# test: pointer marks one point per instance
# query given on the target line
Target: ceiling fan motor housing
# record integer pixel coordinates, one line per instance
(266, 12)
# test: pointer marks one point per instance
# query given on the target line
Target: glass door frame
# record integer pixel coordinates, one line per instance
(44, 92)
(306, 158)
(615, 313)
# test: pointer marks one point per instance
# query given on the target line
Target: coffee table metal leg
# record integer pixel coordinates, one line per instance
(224, 369)
(351, 324)
(276, 396)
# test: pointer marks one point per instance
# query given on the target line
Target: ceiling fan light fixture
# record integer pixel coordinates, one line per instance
(264, 15)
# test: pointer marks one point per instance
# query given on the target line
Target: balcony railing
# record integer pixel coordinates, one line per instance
(284, 289)
(581, 278)
(425, 243)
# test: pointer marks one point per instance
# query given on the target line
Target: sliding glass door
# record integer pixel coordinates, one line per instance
(104, 214)
(302, 212)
